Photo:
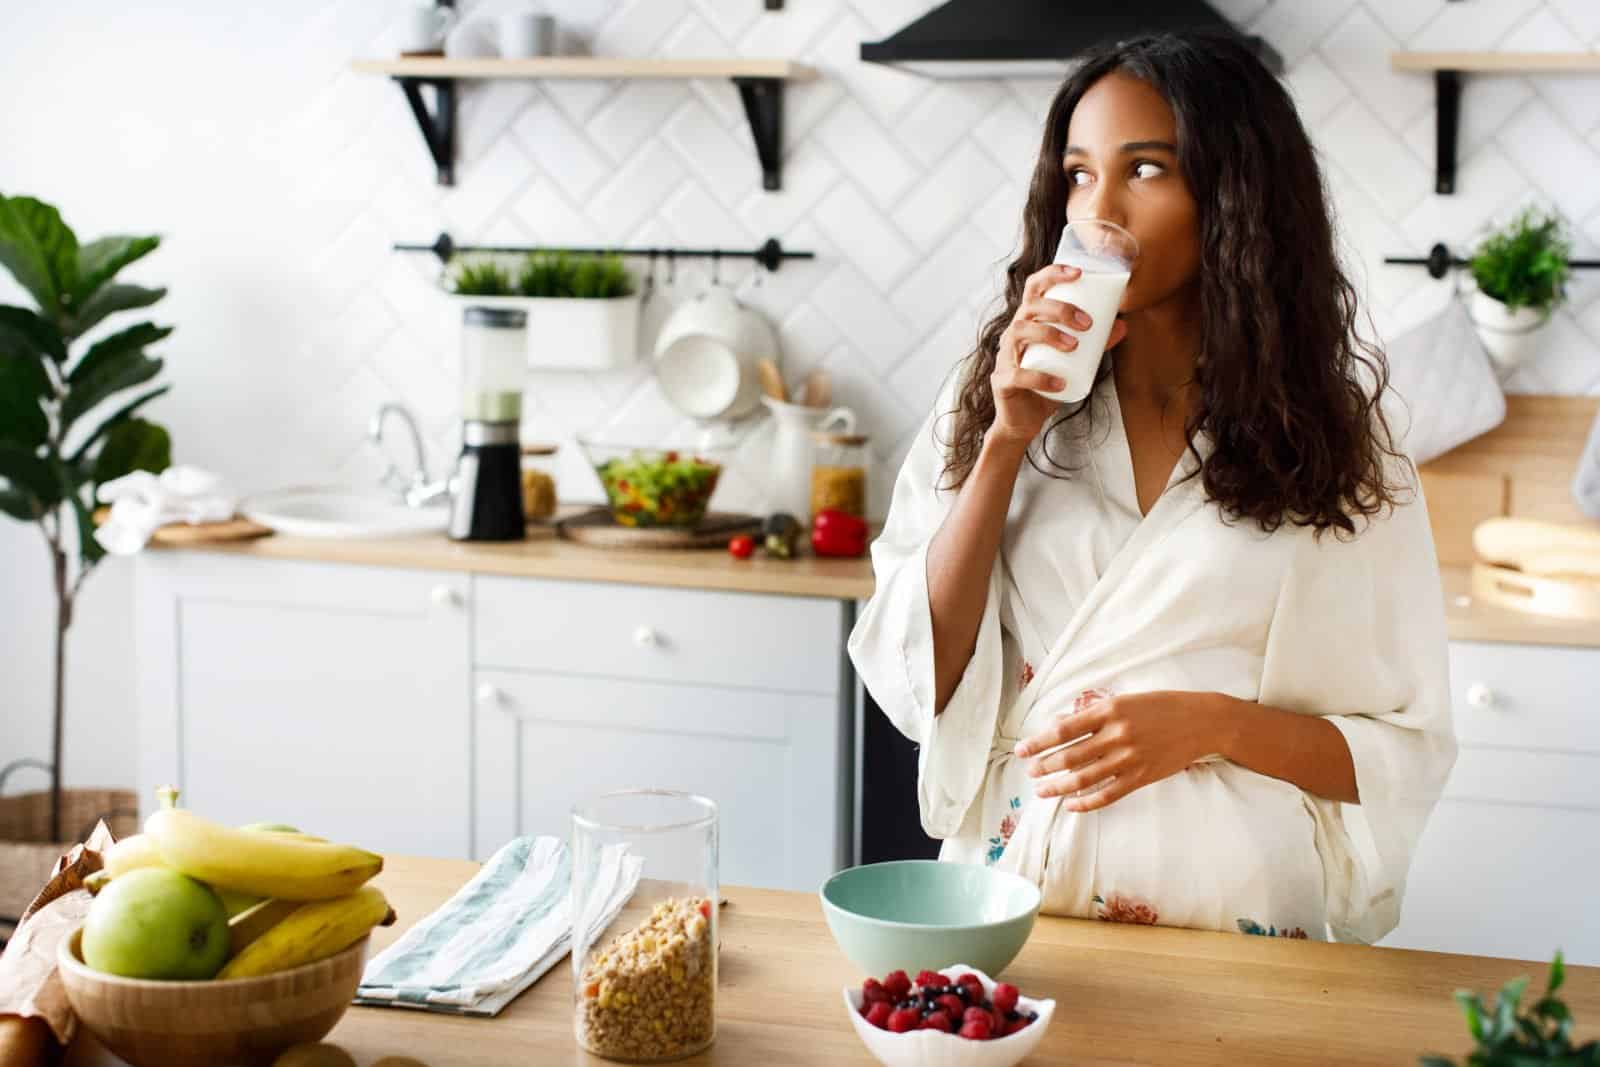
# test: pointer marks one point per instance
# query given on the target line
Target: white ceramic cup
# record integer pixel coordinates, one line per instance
(697, 354)
(425, 27)
(525, 34)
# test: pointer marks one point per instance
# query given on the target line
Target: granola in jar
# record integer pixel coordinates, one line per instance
(650, 993)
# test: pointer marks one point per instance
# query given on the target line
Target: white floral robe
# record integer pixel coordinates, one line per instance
(1086, 593)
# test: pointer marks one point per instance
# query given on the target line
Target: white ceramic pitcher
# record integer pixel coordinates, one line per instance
(792, 449)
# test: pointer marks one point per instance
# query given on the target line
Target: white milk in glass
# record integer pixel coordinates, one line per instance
(1098, 291)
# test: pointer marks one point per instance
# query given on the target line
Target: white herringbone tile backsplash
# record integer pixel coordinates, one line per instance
(280, 179)
(909, 191)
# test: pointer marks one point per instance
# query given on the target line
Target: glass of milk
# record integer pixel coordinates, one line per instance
(1107, 254)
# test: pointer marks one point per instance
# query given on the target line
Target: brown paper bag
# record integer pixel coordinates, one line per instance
(30, 990)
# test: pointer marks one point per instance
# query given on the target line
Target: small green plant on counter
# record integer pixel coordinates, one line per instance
(560, 274)
(58, 444)
(481, 277)
(1506, 1039)
(1524, 264)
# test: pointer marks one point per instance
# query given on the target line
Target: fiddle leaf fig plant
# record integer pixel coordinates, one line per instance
(56, 446)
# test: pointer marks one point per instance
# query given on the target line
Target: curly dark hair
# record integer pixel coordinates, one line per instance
(1287, 389)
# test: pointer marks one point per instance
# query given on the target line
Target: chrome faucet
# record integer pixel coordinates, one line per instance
(416, 489)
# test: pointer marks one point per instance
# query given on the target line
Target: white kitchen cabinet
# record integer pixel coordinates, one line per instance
(330, 697)
(342, 698)
(583, 688)
(1509, 861)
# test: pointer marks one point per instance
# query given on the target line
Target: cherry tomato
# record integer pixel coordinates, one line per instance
(742, 546)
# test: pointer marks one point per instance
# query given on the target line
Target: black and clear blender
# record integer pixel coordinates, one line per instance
(486, 498)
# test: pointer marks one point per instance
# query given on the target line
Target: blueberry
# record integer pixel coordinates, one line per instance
(1033, 1016)
(1012, 1016)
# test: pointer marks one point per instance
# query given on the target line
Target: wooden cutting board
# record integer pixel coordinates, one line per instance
(183, 533)
(597, 527)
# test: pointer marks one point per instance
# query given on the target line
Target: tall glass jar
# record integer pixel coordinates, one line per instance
(645, 982)
(839, 472)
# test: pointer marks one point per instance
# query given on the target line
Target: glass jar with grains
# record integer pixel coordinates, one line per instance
(645, 981)
(839, 472)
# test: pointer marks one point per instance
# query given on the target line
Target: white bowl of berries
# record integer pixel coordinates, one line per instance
(918, 1024)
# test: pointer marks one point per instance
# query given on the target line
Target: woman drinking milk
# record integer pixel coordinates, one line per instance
(1158, 645)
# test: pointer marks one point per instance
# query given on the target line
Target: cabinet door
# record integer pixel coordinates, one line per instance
(330, 697)
(1504, 880)
(776, 764)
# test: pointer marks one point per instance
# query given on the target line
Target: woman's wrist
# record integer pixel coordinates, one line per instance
(1002, 450)
(1231, 719)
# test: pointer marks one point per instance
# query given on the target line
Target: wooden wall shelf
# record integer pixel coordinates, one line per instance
(760, 83)
(1447, 68)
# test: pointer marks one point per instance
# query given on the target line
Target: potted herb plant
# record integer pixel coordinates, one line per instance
(583, 310)
(1521, 274)
(58, 445)
(1506, 1039)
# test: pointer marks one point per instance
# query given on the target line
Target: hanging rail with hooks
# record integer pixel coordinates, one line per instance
(1439, 260)
(770, 255)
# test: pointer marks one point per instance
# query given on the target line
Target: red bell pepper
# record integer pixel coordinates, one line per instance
(838, 533)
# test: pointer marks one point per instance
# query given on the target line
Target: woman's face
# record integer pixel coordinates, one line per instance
(1121, 165)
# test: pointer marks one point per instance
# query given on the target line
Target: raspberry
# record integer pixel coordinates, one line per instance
(878, 1013)
(937, 1020)
(1005, 997)
(930, 979)
(973, 983)
(897, 984)
(903, 1020)
(952, 1005)
(977, 1030)
(978, 1015)
(1018, 1023)
(872, 991)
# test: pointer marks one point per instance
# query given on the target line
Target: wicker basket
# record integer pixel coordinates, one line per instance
(27, 855)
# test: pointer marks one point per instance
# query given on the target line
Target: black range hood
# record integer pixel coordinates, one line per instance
(1022, 38)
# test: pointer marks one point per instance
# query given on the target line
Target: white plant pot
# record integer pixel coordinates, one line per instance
(573, 333)
(1510, 337)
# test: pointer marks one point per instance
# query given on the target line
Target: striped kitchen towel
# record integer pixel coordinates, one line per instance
(503, 930)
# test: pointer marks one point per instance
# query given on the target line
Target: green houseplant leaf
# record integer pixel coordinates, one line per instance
(132, 445)
(24, 334)
(116, 363)
(23, 384)
(100, 260)
(107, 301)
(80, 454)
(29, 474)
(39, 250)
(108, 350)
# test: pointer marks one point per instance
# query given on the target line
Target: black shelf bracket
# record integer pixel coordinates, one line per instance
(1446, 129)
(763, 106)
(439, 128)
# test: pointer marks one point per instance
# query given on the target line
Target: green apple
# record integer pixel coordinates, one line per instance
(156, 923)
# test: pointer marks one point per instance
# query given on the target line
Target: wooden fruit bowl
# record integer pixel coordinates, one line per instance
(207, 1024)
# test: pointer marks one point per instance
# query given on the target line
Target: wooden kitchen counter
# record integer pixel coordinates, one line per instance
(1124, 994)
(545, 556)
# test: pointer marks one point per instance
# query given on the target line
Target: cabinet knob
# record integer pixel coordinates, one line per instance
(490, 695)
(445, 596)
(646, 637)
(1481, 696)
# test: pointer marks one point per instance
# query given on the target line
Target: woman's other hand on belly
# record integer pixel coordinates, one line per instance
(1106, 748)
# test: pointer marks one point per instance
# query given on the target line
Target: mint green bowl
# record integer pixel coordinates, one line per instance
(911, 915)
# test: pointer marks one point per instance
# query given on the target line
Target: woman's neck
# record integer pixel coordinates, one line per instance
(1155, 361)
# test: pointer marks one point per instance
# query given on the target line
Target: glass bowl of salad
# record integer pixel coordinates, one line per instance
(651, 486)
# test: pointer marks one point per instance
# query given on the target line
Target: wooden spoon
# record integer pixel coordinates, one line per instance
(772, 380)
(818, 389)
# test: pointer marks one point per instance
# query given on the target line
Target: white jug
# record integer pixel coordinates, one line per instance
(792, 450)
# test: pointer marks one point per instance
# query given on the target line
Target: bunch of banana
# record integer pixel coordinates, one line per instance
(291, 898)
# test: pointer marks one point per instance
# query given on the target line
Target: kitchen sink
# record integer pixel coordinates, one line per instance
(333, 511)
